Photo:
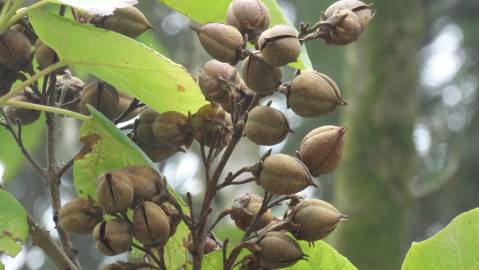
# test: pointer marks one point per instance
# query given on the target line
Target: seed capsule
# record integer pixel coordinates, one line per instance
(244, 210)
(218, 81)
(15, 50)
(25, 116)
(144, 128)
(80, 215)
(222, 42)
(251, 17)
(362, 11)
(68, 89)
(211, 244)
(150, 224)
(115, 191)
(266, 126)
(158, 153)
(283, 175)
(212, 126)
(113, 237)
(279, 45)
(146, 181)
(315, 219)
(44, 55)
(278, 250)
(7, 78)
(343, 26)
(321, 149)
(102, 97)
(173, 128)
(259, 75)
(128, 21)
(313, 94)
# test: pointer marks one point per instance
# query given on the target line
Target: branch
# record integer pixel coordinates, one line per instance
(42, 239)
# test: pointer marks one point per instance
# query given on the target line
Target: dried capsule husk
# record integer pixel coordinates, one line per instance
(211, 244)
(144, 128)
(343, 27)
(258, 75)
(80, 215)
(313, 94)
(128, 21)
(102, 97)
(150, 224)
(145, 180)
(321, 149)
(245, 208)
(173, 128)
(22, 115)
(222, 42)
(283, 175)
(15, 50)
(68, 91)
(158, 153)
(213, 126)
(314, 219)
(115, 191)
(251, 17)
(44, 55)
(362, 10)
(279, 45)
(218, 80)
(113, 237)
(266, 126)
(278, 250)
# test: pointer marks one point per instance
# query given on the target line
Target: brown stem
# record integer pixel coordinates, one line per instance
(53, 179)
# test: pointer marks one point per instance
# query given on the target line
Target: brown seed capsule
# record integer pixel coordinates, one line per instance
(115, 191)
(211, 244)
(144, 128)
(279, 45)
(146, 181)
(68, 90)
(102, 97)
(315, 219)
(313, 94)
(321, 149)
(80, 215)
(361, 10)
(7, 78)
(278, 250)
(343, 27)
(15, 50)
(251, 17)
(27, 32)
(259, 75)
(113, 237)
(128, 21)
(244, 210)
(222, 42)
(266, 126)
(25, 116)
(218, 81)
(158, 153)
(173, 128)
(150, 224)
(212, 126)
(283, 175)
(44, 55)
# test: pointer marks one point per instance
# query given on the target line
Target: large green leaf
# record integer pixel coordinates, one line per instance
(322, 257)
(106, 148)
(123, 62)
(455, 247)
(13, 224)
(11, 158)
(204, 11)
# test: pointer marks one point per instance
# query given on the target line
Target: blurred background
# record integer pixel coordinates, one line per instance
(410, 158)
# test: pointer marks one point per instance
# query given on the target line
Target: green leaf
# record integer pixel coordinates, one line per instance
(322, 257)
(106, 148)
(122, 62)
(455, 247)
(205, 11)
(13, 224)
(95, 7)
(11, 157)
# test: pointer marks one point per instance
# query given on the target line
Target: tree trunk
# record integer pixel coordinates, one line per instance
(372, 184)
